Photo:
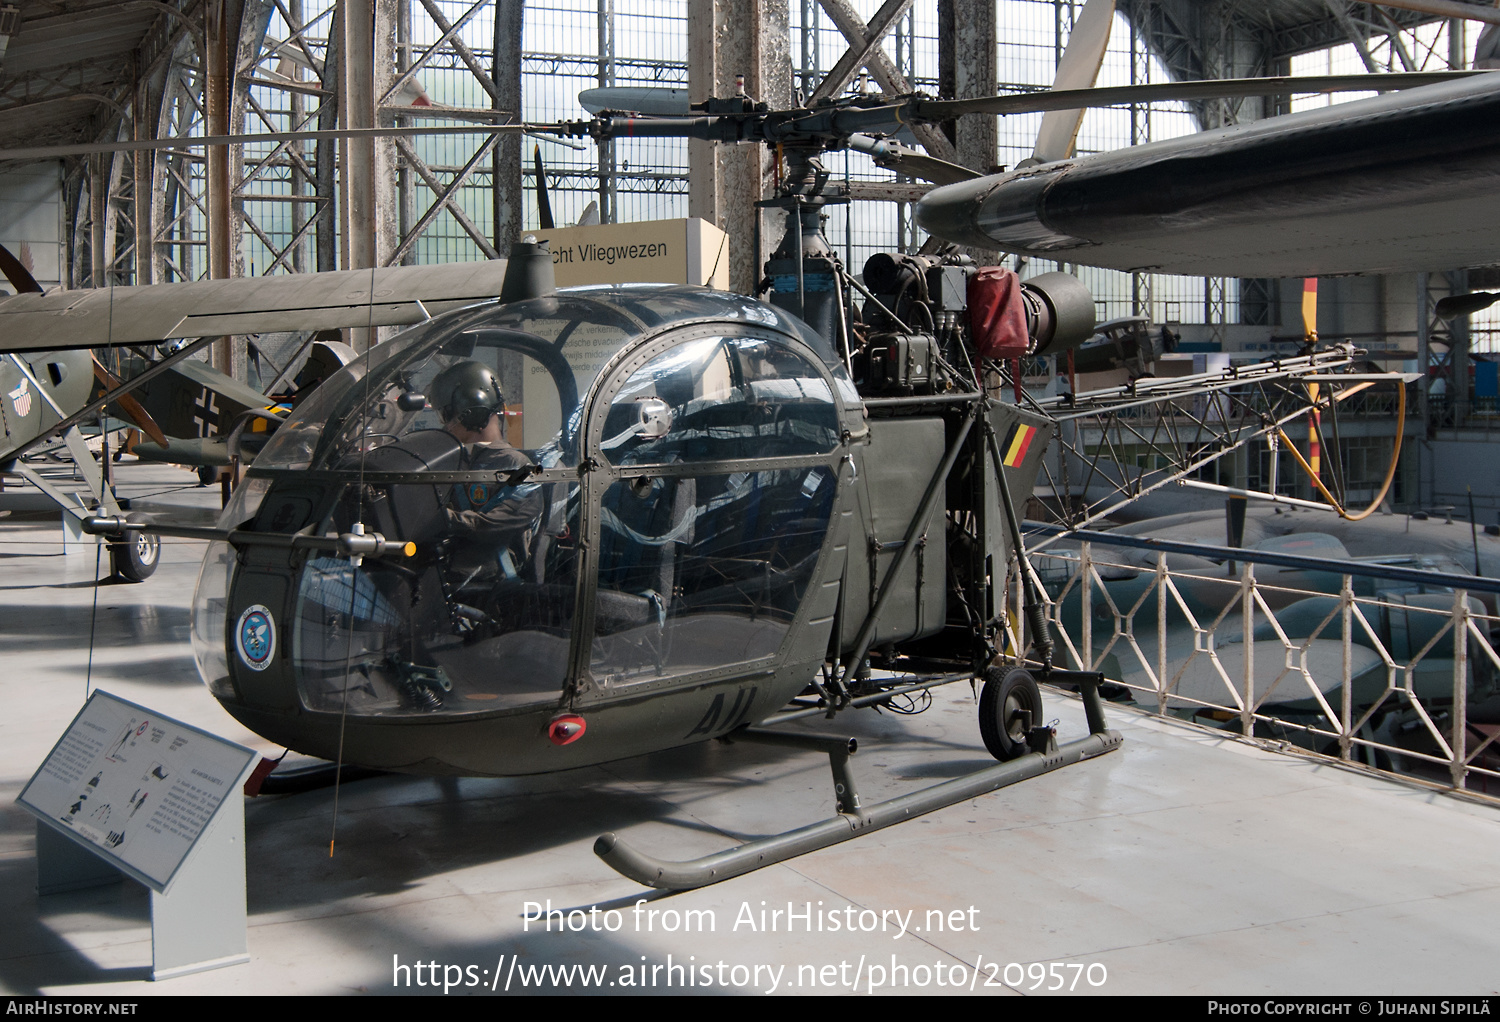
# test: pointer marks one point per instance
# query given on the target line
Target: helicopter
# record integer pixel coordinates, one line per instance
(739, 513)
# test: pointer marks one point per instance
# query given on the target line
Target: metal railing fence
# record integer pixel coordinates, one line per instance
(1384, 663)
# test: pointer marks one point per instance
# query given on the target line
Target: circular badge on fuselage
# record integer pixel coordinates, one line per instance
(255, 637)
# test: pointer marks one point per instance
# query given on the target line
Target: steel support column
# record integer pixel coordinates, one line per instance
(357, 155)
(966, 68)
(328, 213)
(144, 113)
(726, 39)
(98, 216)
(369, 202)
(606, 27)
(1458, 335)
(221, 17)
(509, 197)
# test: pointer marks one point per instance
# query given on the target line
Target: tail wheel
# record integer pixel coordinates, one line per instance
(135, 557)
(1009, 703)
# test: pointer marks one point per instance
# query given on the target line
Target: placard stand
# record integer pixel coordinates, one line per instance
(201, 925)
(91, 797)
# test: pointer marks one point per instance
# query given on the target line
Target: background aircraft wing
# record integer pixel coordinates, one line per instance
(1403, 182)
(303, 301)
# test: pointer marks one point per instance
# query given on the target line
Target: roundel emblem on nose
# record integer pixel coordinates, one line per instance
(255, 637)
(566, 729)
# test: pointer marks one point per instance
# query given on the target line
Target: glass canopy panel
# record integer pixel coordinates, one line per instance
(478, 620)
(721, 397)
(699, 572)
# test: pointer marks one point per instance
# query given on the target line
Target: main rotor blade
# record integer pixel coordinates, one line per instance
(637, 99)
(1224, 88)
(1078, 70)
(193, 142)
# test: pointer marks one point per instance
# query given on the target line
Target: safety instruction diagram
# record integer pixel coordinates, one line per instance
(136, 787)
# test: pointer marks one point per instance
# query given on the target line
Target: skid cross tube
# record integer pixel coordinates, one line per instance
(681, 876)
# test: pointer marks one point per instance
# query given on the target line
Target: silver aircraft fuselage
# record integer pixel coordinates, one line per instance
(1403, 182)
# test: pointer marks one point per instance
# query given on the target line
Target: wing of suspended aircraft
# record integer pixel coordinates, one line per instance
(1403, 182)
(390, 296)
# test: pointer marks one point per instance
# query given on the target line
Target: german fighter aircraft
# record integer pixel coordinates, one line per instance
(48, 368)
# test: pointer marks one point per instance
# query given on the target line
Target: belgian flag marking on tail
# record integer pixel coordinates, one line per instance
(1017, 443)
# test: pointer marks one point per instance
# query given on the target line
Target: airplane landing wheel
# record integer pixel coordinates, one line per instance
(1009, 702)
(135, 558)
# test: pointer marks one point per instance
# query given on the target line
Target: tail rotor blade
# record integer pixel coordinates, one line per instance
(1310, 309)
(543, 206)
(1078, 69)
(1314, 419)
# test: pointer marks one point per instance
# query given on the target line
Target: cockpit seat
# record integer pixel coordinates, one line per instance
(415, 512)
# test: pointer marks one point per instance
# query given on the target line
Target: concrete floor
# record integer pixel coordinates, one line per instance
(1183, 863)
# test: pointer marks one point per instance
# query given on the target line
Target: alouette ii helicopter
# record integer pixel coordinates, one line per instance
(568, 527)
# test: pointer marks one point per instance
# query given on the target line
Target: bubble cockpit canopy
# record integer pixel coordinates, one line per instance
(695, 565)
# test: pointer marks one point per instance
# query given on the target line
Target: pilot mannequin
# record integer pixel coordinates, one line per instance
(468, 397)
(480, 530)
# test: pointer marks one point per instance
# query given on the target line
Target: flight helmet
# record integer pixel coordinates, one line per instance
(468, 393)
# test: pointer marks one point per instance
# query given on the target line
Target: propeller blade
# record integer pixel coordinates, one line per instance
(16, 272)
(1310, 309)
(543, 206)
(1223, 88)
(133, 409)
(636, 99)
(1078, 69)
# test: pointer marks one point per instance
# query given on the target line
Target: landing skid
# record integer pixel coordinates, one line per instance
(853, 819)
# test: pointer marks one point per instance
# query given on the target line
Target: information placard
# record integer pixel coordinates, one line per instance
(137, 788)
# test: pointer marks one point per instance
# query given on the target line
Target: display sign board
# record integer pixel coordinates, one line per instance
(690, 251)
(136, 788)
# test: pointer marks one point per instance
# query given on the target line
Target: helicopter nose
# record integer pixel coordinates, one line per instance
(948, 212)
(566, 729)
(1012, 212)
